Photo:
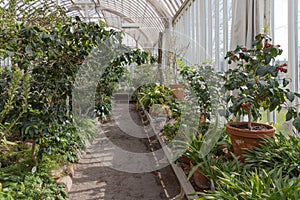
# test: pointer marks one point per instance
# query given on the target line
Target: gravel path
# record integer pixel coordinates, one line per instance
(120, 166)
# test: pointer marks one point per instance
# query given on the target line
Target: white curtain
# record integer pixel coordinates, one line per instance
(249, 17)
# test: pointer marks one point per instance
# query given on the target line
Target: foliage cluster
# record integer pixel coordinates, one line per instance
(257, 80)
(154, 93)
(271, 171)
(44, 50)
(204, 85)
(113, 72)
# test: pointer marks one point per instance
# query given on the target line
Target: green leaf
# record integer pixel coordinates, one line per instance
(10, 53)
(290, 96)
(261, 70)
(274, 52)
(28, 49)
(285, 82)
(268, 59)
(228, 97)
(288, 116)
(296, 123)
(193, 170)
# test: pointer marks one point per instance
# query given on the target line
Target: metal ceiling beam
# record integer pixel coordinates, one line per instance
(183, 6)
(159, 8)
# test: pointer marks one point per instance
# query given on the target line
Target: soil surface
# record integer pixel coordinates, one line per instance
(254, 127)
(119, 164)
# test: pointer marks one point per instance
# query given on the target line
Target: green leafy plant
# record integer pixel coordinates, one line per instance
(205, 85)
(87, 130)
(197, 147)
(113, 73)
(20, 181)
(270, 171)
(14, 89)
(279, 153)
(255, 80)
(170, 129)
(154, 94)
(254, 185)
(32, 186)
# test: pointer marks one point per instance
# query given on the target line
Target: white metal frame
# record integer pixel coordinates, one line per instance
(201, 24)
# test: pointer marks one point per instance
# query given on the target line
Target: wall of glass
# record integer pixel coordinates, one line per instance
(202, 31)
(203, 28)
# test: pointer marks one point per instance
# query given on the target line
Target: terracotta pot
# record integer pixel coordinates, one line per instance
(177, 91)
(200, 180)
(185, 159)
(242, 139)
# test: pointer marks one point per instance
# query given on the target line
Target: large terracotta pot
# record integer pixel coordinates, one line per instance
(177, 91)
(242, 139)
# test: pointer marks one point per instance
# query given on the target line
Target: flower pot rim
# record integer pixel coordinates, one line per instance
(268, 126)
(176, 85)
(250, 133)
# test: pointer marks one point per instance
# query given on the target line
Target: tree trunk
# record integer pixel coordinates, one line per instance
(249, 119)
(33, 153)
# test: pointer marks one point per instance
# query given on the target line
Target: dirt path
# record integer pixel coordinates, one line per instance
(120, 166)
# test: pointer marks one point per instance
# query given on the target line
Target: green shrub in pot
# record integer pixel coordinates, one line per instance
(254, 84)
(255, 81)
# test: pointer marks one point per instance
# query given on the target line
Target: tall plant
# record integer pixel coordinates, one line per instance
(256, 82)
(14, 90)
(50, 52)
(205, 85)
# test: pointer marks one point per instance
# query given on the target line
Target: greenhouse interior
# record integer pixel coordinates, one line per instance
(149, 99)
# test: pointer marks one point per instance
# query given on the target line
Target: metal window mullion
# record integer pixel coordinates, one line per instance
(209, 27)
(177, 35)
(225, 32)
(187, 32)
(180, 30)
(193, 31)
(190, 35)
(271, 116)
(202, 32)
(197, 25)
(292, 45)
(292, 39)
(296, 34)
(217, 35)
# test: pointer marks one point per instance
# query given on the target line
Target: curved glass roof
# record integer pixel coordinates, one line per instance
(141, 19)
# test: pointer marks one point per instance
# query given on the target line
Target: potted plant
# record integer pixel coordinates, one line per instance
(190, 149)
(254, 85)
(201, 162)
(204, 85)
(153, 94)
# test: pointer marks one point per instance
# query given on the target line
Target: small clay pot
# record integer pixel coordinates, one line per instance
(177, 91)
(200, 180)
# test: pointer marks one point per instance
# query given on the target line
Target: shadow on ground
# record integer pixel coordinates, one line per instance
(119, 166)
